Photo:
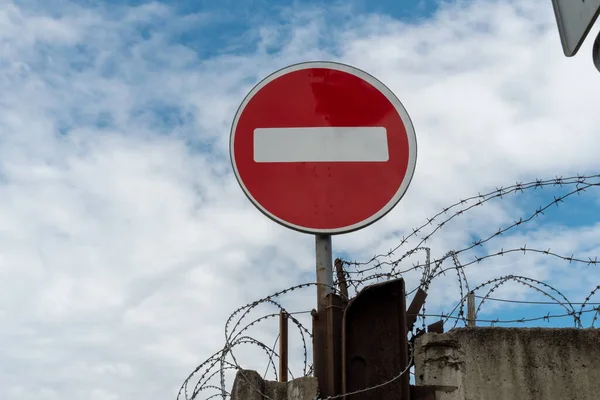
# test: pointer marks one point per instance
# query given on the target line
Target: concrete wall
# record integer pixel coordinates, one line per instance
(510, 364)
(249, 385)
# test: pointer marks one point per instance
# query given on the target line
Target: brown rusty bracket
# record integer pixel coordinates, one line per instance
(414, 308)
(436, 327)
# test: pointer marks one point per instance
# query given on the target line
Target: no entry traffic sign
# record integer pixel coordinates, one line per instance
(323, 148)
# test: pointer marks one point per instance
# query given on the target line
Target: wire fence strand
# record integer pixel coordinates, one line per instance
(540, 302)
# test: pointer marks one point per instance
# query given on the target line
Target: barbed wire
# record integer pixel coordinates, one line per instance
(389, 265)
(581, 182)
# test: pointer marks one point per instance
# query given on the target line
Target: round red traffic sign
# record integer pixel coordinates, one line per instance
(323, 148)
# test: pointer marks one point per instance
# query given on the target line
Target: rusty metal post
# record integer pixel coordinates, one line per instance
(283, 346)
(341, 278)
(335, 313)
(471, 310)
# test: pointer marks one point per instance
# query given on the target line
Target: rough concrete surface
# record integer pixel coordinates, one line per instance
(249, 385)
(305, 388)
(510, 364)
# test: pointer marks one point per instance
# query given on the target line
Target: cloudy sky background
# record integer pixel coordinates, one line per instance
(125, 241)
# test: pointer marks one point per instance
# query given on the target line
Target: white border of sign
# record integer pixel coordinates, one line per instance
(410, 131)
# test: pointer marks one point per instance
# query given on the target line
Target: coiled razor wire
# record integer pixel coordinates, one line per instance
(201, 382)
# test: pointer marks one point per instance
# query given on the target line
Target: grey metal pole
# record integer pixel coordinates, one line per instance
(324, 270)
(471, 310)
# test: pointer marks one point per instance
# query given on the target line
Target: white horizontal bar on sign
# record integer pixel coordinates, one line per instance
(321, 144)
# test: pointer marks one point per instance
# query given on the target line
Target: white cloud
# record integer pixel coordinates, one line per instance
(125, 242)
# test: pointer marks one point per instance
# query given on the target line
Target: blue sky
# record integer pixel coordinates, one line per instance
(125, 240)
(226, 26)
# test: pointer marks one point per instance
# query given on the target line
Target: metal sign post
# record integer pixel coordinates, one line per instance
(323, 148)
(324, 269)
(321, 340)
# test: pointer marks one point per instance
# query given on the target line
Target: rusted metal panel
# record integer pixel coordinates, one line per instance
(374, 343)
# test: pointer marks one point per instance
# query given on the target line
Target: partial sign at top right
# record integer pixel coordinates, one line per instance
(575, 19)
